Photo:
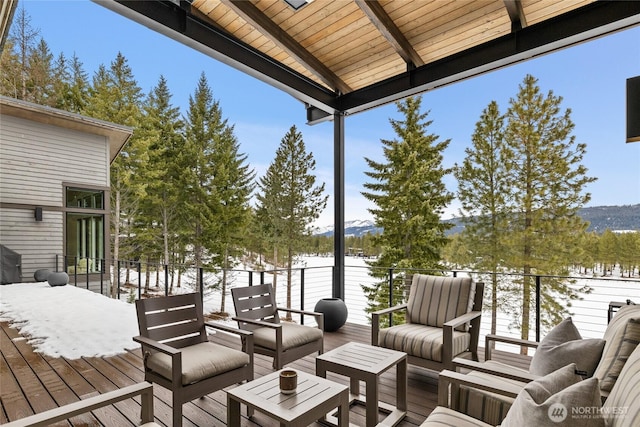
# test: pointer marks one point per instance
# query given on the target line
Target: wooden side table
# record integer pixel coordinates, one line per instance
(313, 399)
(362, 362)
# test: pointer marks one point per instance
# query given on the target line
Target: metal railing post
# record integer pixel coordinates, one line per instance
(302, 295)
(538, 293)
(391, 295)
(139, 267)
(166, 279)
(201, 276)
(118, 273)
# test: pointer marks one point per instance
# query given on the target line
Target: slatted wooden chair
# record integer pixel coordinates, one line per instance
(178, 354)
(256, 311)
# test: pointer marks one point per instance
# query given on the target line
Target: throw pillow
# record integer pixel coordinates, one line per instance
(559, 397)
(564, 345)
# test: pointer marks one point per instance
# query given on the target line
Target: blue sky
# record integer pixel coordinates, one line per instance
(591, 78)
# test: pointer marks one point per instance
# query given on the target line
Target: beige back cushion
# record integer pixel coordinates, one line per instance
(623, 404)
(434, 300)
(621, 337)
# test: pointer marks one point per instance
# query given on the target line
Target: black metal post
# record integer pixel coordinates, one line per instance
(338, 209)
(118, 272)
(166, 279)
(302, 295)
(538, 293)
(139, 267)
(391, 295)
(201, 276)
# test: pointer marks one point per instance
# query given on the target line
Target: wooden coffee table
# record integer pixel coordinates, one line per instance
(313, 399)
(362, 362)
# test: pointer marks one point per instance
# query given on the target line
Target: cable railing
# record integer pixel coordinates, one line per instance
(311, 282)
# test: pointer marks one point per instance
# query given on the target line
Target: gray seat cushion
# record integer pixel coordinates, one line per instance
(421, 341)
(200, 361)
(293, 335)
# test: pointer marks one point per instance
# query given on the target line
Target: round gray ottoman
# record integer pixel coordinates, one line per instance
(58, 278)
(41, 275)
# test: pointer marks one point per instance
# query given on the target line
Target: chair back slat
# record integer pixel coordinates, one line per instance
(174, 320)
(255, 303)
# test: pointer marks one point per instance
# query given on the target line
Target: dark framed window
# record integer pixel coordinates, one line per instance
(84, 225)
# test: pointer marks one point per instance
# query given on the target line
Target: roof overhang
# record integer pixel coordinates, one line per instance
(181, 21)
(116, 135)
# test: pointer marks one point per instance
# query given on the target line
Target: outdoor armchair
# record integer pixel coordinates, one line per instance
(177, 352)
(442, 321)
(576, 404)
(599, 358)
(256, 311)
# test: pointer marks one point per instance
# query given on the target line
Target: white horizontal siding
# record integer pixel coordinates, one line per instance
(36, 158)
(37, 242)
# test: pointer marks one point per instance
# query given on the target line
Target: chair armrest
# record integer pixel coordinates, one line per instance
(163, 348)
(471, 365)
(375, 320)
(257, 322)
(71, 410)
(507, 340)
(229, 329)
(319, 316)
(389, 310)
(455, 380)
(461, 320)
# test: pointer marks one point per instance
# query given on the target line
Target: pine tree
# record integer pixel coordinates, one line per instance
(289, 199)
(410, 197)
(161, 212)
(233, 182)
(483, 191)
(548, 181)
(198, 159)
(116, 97)
(40, 81)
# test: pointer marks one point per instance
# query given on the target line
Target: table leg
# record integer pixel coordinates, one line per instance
(233, 412)
(343, 410)
(401, 385)
(372, 401)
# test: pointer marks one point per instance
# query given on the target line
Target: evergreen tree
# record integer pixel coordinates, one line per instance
(162, 216)
(10, 76)
(233, 182)
(116, 97)
(483, 191)
(197, 159)
(608, 251)
(410, 197)
(289, 199)
(40, 81)
(548, 181)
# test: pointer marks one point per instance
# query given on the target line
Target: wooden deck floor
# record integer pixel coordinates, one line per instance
(32, 383)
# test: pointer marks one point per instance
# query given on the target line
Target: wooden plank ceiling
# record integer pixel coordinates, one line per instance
(349, 55)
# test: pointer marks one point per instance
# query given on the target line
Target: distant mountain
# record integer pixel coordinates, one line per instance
(615, 218)
(351, 228)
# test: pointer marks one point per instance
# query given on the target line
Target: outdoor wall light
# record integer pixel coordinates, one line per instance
(633, 109)
(37, 213)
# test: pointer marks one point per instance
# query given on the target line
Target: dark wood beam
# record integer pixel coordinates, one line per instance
(277, 35)
(580, 25)
(516, 14)
(383, 23)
